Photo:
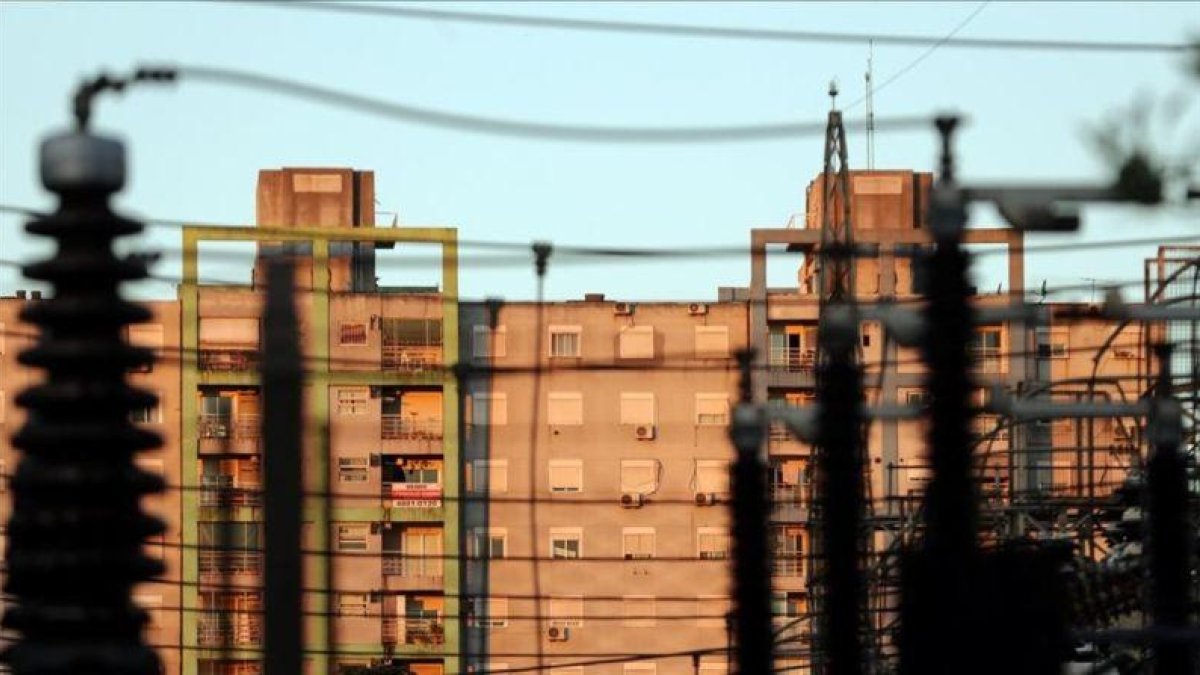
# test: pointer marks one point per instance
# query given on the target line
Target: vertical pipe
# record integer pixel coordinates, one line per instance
(282, 379)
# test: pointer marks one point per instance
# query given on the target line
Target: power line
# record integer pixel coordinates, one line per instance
(721, 32)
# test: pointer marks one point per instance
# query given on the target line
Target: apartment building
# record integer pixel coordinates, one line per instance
(597, 444)
(380, 434)
(160, 598)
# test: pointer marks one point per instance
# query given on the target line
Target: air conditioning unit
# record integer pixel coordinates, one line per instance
(633, 500)
(705, 499)
(623, 308)
(1125, 354)
(697, 309)
(558, 634)
(644, 432)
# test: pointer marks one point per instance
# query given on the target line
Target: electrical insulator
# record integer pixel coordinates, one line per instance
(77, 533)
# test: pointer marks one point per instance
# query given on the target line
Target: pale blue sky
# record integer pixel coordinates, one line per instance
(195, 148)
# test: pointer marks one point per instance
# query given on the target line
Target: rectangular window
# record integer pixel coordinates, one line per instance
(353, 400)
(565, 341)
(639, 610)
(491, 612)
(566, 611)
(352, 536)
(639, 476)
(712, 476)
(564, 408)
(148, 415)
(637, 408)
(712, 543)
(489, 476)
(352, 334)
(1053, 343)
(487, 343)
(491, 542)
(566, 475)
(711, 611)
(637, 543)
(712, 342)
(636, 342)
(712, 409)
(566, 543)
(985, 348)
(489, 409)
(352, 604)
(353, 469)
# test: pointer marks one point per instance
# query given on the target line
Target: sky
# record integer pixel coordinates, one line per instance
(195, 148)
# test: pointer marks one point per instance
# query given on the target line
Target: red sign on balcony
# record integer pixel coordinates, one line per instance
(416, 495)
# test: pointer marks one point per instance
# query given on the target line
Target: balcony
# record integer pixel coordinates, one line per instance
(413, 631)
(412, 495)
(241, 360)
(401, 427)
(228, 563)
(788, 565)
(411, 358)
(781, 442)
(237, 434)
(229, 629)
(791, 367)
(411, 573)
(788, 503)
(229, 496)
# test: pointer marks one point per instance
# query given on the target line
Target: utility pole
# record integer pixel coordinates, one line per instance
(839, 543)
(1169, 540)
(751, 555)
(283, 385)
(77, 532)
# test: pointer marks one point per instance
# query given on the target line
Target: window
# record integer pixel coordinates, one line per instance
(352, 604)
(565, 341)
(491, 612)
(489, 475)
(491, 542)
(637, 409)
(787, 542)
(711, 611)
(712, 476)
(352, 537)
(564, 408)
(353, 469)
(712, 342)
(636, 342)
(712, 543)
(566, 543)
(916, 397)
(712, 409)
(637, 543)
(487, 343)
(352, 401)
(149, 415)
(489, 409)
(985, 348)
(566, 611)
(639, 610)
(639, 476)
(352, 334)
(1053, 343)
(566, 475)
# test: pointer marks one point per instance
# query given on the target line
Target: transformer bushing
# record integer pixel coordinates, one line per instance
(77, 532)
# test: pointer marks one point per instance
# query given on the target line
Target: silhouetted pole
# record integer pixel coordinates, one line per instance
(1169, 541)
(77, 532)
(839, 447)
(751, 555)
(282, 380)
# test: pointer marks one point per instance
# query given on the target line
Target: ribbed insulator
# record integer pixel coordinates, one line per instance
(77, 533)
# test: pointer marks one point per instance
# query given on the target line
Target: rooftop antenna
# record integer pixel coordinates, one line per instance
(833, 92)
(870, 106)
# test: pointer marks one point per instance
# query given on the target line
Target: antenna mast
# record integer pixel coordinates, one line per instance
(870, 107)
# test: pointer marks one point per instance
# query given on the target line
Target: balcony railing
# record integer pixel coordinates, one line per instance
(239, 427)
(229, 360)
(246, 495)
(986, 360)
(411, 358)
(401, 427)
(219, 629)
(413, 631)
(230, 562)
(395, 564)
(793, 360)
(786, 565)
